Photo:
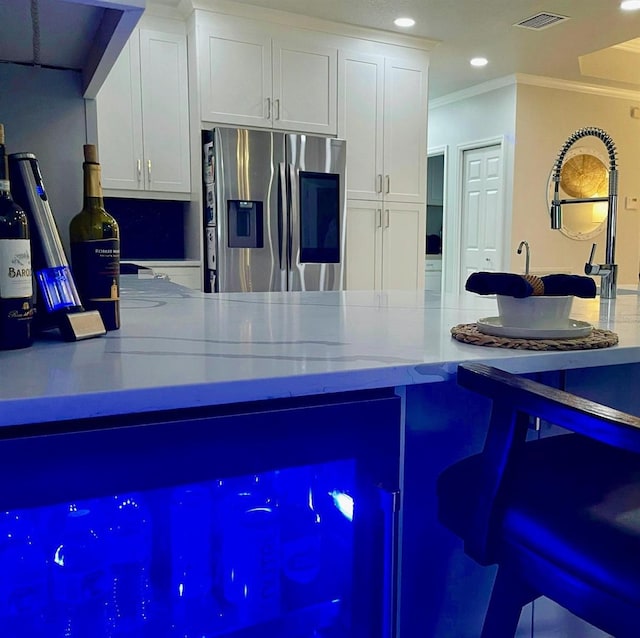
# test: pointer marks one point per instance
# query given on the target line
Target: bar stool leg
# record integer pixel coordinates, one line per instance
(509, 595)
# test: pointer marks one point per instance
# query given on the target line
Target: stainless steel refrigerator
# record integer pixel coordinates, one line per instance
(274, 211)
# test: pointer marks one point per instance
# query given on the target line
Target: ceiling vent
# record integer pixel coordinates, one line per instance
(541, 21)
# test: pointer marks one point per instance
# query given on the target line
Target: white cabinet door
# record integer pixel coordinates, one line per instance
(304, 87)
(360, 122)
(405, 126)
(119, 121)
(403, 238)
(253, 74)
(143, 116)
(235, 73)
(383, 117)
(165, 111)
(363, 248)
(384, 246)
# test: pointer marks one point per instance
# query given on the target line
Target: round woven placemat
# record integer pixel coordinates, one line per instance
(598, 338)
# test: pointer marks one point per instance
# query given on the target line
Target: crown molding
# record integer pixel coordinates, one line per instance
(633, 46)
(306, 22)
(534, 80)
(577, 87)
(472, 91)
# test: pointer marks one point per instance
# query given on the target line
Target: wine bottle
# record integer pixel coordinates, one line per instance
(16, 285)
(95, 248)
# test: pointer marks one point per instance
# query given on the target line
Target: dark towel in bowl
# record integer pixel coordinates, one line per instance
(576, 285)
(499, 283)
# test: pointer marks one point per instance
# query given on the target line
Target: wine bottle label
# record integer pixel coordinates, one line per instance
(96, 269)
(15, 268)
(5, 185)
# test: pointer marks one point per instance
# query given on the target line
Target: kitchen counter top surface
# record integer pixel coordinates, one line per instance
(179, 348)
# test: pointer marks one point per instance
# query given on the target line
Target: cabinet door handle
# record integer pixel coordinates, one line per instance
(378, 218)
(386, 218)
(149, 171)
(268, 108)
(379, 183)
(277, 108)
(139, 167)
(388, 182)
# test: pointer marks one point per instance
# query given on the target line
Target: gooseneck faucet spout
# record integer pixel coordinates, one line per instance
(526, 255)
(609, 270)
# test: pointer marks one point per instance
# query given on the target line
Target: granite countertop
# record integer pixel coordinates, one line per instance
(180, 348)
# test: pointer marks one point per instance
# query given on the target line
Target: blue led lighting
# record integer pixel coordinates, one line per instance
(56, 288)
(344, 503)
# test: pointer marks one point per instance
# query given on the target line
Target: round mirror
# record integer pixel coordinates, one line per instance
(584, 174)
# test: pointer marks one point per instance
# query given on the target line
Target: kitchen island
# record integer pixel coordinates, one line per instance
(180, 351)
(178, 348)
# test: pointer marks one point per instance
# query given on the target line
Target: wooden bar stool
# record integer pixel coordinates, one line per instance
(560, 515)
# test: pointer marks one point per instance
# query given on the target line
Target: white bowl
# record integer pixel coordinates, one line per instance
(548, 312)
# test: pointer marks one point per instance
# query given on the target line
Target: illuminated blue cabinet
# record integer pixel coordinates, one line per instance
(272, 519)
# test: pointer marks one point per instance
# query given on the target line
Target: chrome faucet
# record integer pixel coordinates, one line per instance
(609, 270)
(526, 255)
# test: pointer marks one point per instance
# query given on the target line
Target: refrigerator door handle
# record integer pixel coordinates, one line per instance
(283, 215)
(294, 213)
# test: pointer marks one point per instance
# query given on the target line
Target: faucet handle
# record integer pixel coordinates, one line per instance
(590, 268)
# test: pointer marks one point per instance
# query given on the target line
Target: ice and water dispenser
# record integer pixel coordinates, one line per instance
(245, 224)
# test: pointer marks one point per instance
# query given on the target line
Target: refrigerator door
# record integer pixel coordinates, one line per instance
(249, 219)
(316, 215)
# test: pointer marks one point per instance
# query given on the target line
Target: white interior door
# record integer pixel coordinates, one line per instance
(482, 211)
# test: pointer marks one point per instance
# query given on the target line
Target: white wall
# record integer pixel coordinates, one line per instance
(546, 117)
(44, 113)
(470, 121)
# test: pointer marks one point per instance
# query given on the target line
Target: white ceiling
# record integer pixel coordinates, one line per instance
(467, 28)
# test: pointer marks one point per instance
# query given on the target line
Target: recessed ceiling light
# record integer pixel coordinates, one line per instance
(478, 61)
(404, 22)
(630, 5)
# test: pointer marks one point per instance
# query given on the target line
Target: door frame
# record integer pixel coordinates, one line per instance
(444, 151)
(452, 244)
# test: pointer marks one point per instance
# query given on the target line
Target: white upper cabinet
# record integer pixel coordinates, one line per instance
(383, 116)
(143, 116)
(265, 75)
(361, 99)
(234, 65)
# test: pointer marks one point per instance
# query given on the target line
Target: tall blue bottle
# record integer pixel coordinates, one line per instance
(301, 538)
(80, 574)
(23, 577)
(247, 537)
(128, 534)
(194, 610)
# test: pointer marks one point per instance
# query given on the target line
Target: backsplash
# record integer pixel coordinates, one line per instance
(149, 229)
